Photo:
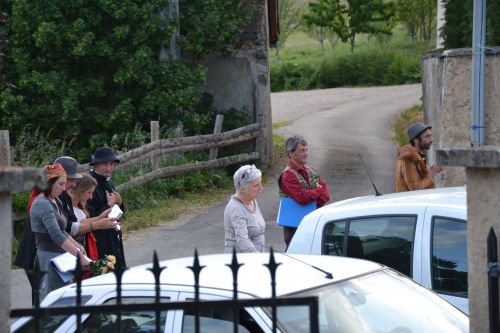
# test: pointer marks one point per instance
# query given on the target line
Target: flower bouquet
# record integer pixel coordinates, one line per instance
(102, 266)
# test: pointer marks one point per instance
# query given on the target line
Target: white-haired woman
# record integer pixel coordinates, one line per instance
(244, 225)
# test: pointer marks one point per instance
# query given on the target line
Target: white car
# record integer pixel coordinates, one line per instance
(361, 296)
(422, 234)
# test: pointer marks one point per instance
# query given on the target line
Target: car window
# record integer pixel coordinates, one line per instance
(220, 321)
(132, 321)
(449, 256)
(376, 302)
(384, 239)
(334, 238)
(51, 323)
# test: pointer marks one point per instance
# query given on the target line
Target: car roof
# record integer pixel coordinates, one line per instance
(295, 273)
(452, 197)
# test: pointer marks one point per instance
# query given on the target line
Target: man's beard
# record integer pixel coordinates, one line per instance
(422, 146)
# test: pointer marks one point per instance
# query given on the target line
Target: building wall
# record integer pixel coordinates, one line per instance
(242, 81)
(447, 103)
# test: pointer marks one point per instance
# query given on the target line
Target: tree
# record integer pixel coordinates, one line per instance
(325, 20)
(90, 69)
(418, 16)
(317, 33)
(457, 29)
(363, 16)
(407, 14)
(289, 18)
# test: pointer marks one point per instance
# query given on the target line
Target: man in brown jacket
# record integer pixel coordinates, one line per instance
(412, 171)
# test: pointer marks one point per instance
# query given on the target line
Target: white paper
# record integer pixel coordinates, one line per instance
(115, 212)
(64, 264)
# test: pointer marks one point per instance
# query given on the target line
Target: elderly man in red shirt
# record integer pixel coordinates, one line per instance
(299, 181)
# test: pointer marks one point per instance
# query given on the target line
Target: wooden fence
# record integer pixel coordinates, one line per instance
(159, 148)
(163, 147)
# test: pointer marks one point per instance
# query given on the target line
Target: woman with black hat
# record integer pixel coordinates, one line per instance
(109, 241)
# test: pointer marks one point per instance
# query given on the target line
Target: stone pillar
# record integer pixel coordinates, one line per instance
(12, 180)
(483, 212)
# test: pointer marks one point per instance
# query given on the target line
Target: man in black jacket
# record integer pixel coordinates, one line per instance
(109, 241)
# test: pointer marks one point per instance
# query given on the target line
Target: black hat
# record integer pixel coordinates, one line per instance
(70, 165)
(415, 129)
(103, 154)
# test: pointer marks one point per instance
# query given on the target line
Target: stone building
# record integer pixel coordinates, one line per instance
(242, 80)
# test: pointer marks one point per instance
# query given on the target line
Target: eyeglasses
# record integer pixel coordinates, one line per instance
(247, 173)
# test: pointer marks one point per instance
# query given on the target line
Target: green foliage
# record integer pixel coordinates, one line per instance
(403, 121)
(418, 16)
(34, 148)
(403, 69)
(381, 66)
(149, 194)
(289, 19)
(291, 75)
(457, 30)
(90, 70)
(325, 20)
(212, 27)
(366, 16)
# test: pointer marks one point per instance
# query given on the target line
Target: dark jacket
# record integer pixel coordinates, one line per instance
(109, 241)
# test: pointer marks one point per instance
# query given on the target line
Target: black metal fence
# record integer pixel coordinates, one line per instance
(493, 277)
(196, 306)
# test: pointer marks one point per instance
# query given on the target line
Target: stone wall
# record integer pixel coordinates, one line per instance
(242, 81)
(447, 103)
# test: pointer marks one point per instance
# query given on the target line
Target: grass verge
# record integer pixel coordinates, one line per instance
(172, 208)
(403, 120)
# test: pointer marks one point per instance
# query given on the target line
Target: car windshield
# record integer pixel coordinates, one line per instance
(383, 301)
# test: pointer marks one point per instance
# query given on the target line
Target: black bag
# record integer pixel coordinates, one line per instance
(26, 252)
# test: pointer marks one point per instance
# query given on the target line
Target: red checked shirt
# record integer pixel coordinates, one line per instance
(292, 187)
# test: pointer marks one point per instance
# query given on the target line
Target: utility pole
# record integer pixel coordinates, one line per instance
(440, 23)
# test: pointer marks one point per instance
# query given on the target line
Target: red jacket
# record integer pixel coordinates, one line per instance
(291, 186)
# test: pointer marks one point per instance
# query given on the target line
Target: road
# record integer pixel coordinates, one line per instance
(339, 124)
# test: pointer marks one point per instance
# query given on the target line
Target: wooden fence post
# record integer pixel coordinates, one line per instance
(12, 180)
(4, 148)
(155, 136)
(217, 130)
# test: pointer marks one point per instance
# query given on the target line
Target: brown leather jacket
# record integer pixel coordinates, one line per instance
(412, 171)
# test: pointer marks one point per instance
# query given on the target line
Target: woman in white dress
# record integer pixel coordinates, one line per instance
(83, 191)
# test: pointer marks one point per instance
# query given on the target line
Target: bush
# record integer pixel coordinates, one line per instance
(368, 67)
(403, 69)
(457, 29)
(293, 76)
(90, 69)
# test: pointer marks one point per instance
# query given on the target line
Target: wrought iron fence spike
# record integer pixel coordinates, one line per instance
(197, 307)
(234, 266)
(156, 269)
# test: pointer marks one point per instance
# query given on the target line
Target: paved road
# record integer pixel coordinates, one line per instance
(339, 124)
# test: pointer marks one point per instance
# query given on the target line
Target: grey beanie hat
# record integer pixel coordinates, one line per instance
(415, 129)
(70, 165)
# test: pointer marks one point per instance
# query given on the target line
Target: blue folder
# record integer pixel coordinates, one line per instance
(291, 213)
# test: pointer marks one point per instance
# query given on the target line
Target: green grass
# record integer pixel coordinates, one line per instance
(172, 208)
(403, 121)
